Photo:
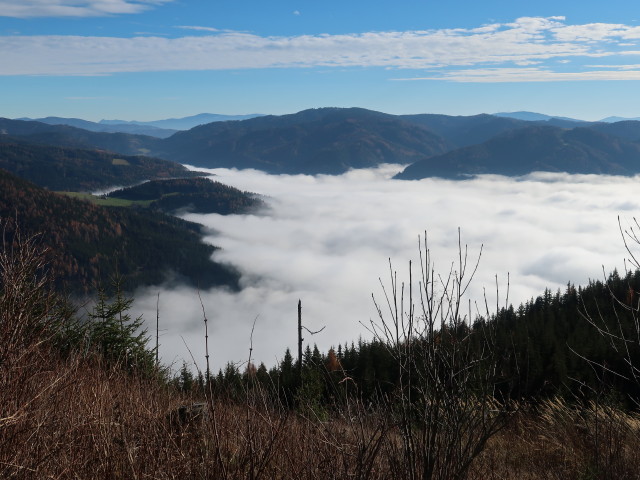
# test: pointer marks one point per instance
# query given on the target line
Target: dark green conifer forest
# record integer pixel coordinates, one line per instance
(548, 347)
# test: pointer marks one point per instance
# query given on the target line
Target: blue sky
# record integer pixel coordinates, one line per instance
(152, 59)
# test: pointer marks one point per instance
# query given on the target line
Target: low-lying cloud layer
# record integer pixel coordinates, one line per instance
(327, 240)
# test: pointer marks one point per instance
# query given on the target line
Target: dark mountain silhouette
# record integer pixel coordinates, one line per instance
(132, 128)
(72, 169)
(463, 131)
(618, 119)
(326, 140)
(66, 136)
(334, 140)
(88, 243)
(629, 129)
(183, 123)
(535, 117)
(534, 148)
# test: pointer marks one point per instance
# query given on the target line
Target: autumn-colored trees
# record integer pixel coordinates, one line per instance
(88, 243)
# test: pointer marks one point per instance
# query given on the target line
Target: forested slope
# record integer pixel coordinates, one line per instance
(89, 243)
(75, 169)
(199, 195)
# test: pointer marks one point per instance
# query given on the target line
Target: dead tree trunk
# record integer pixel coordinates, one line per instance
(300, 342)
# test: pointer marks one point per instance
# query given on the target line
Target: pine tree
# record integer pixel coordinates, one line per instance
(116, 336)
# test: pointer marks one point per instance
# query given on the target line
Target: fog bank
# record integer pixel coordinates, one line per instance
(327, 240)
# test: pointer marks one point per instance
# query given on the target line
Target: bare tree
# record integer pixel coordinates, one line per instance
(618, 322)
(27, 300)
(616, 368)
(444, 406)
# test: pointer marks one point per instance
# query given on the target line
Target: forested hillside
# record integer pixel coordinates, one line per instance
(325, 140)
(534, 148)
(199, 195)
(66, 136)
(88, 243)
(335, 140)
(547, 347)
(74, 169)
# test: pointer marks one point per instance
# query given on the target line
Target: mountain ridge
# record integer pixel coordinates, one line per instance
(68, 136)
(315, 141)
(534, 148)
(327, 140)
(183, 123)
(132, 128)
(74, 169)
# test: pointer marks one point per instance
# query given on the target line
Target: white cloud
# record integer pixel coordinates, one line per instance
(197, 28)
(523, 42)
(327, 240)
(595, 32)
(498, 75)
(73, 8)
(618, 67)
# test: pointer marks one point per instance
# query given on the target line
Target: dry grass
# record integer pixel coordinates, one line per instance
(558, 441)
(77, 417)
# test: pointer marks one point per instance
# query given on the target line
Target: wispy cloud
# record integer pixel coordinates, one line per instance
(73, 8)
(197, 28)
(507, 50)
(502, 75)
(619, 67)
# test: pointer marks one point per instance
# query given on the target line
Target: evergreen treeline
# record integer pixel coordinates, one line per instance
(549, 346)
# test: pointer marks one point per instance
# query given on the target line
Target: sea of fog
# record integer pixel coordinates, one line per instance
(327, 241)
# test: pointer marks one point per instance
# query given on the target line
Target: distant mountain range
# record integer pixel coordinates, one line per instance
(618, 119)
(82, 170)
(155, 128)
(133, 128)
(184, 123)
(39, 133)
(334, 140)
(534, 117)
